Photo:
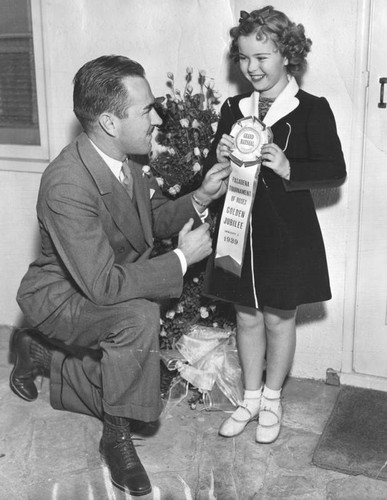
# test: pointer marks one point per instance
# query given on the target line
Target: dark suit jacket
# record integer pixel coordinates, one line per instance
(94, 243)
(285, 255)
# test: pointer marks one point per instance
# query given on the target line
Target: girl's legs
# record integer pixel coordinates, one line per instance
(251, 341)
(280, 326)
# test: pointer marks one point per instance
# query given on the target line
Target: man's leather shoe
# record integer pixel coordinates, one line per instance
(126, 471)
(24, 372)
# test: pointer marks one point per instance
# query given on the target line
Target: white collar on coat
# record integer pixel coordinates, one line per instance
(284, 103)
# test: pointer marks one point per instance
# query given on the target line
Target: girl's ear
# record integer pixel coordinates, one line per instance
(108, 124)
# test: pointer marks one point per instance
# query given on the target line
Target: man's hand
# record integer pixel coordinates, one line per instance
(214, 184)
(195, 244)
(224, 148)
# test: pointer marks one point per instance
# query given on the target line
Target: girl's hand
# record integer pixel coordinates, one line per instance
(273, 157)
(224, 148)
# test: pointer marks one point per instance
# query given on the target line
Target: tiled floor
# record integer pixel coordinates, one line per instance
(47, 454)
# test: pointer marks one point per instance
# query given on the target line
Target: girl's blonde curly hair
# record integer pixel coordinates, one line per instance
(288, 37)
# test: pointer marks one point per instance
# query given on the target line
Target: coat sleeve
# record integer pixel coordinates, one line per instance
(324, 165)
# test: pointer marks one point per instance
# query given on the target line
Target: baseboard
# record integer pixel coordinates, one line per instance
(365, 381)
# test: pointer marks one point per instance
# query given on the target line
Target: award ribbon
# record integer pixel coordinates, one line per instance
(249, 134)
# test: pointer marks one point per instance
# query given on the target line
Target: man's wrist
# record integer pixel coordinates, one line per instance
(200, 200)
(183, 260)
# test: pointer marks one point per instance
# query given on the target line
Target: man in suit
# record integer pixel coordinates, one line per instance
(93, 292)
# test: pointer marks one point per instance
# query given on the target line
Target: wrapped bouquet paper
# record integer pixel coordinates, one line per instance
(208, 360)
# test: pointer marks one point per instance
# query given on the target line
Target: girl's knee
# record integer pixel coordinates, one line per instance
(248, 320)
(275, 318)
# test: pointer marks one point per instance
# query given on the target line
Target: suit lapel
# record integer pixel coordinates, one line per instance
(142, 194)
(113, 195)
(282, 106)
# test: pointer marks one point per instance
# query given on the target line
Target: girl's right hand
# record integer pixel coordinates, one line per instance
(224, 148)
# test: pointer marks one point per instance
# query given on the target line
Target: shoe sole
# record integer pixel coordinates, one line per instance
(14, 388)
(271, 440)
(124, 488)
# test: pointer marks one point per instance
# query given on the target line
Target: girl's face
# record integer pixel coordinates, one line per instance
(263, 65)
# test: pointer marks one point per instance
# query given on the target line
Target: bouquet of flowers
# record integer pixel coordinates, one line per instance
(189, 122)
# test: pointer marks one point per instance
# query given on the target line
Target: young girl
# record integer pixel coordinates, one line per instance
(284, 262)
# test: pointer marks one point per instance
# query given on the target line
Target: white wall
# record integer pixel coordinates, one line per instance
(169, 35)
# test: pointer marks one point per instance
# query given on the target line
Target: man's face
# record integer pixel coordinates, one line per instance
(135, 131)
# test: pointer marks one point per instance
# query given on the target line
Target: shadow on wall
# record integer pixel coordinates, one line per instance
(310, 313)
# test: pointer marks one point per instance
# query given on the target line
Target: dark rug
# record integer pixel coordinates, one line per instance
(354, 440)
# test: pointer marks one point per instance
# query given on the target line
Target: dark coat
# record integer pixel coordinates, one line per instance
(284, 263)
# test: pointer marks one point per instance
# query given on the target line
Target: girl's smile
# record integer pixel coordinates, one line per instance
(263, 65)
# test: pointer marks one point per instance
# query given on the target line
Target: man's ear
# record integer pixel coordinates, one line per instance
(108, 124)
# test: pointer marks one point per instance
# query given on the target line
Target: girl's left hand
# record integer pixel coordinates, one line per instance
(273, 157)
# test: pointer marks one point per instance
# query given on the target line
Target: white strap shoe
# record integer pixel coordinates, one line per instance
(235, 424)
(270, 416)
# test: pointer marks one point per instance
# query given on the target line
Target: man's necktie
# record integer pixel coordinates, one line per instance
(127, 178)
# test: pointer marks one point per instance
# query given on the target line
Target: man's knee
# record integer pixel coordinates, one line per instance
(144, 313)
(139, 319)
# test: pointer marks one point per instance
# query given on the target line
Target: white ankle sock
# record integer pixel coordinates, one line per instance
(252, 394)
(270, 393)
(252, 400)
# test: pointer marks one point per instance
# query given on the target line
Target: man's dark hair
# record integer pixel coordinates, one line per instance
(98, 87)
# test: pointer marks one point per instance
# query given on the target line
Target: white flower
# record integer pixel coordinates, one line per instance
(195, 280)
(215, 324)
(217, 94)
(196, 167)
(214, 126)
(189, 69)
(172, 191)
(205, 152)
(146, 170)
(170, 76)
(204, 312)
(189, 88)
(160, 181)
(195, 124)
(163, 333)
(212, 307)
(179, 308)
(196, 151)
(170, 314)
(177, 188)
(185, 123)
(202, 72)
(171, 151)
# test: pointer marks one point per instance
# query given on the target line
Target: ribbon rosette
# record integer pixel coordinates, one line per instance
(250, 134)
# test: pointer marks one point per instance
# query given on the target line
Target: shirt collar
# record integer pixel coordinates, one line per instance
(112, 163)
